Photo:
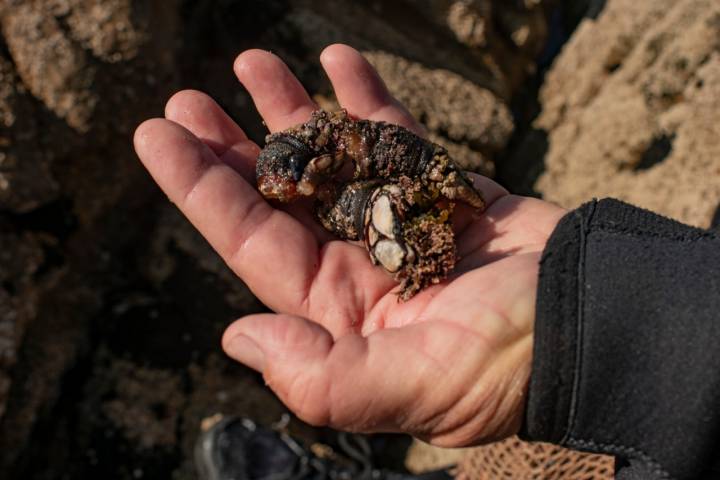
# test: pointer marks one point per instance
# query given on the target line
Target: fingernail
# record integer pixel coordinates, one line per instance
(245, 350)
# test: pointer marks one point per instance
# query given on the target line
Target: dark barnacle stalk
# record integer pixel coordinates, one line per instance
(296, 161)
(399, 201)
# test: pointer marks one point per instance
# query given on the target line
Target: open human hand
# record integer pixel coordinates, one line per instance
(450, 366)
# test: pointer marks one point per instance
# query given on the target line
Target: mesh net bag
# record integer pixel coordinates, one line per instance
(517, 460)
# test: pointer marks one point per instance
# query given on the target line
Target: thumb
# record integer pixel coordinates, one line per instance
(439, 380)
(400, 379)
(352, 383)
(291, 353)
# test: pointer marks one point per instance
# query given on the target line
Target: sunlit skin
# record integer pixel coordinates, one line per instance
(450, 366)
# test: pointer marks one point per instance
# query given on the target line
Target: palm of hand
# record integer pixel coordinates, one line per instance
(451, 365)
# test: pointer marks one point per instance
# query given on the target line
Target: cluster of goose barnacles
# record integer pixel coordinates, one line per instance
(398, 203)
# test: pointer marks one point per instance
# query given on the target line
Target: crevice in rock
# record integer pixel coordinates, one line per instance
(55, 218)
(660, 148)
(522, 161)
(715, 222)
(53, 223)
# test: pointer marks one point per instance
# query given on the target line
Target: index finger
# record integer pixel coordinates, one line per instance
(252, 237)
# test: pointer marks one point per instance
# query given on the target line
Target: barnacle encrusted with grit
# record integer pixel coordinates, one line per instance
(398, 202)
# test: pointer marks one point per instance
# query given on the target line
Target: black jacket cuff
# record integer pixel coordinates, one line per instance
(627, 341)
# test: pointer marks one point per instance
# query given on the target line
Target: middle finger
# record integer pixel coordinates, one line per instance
(278, 95)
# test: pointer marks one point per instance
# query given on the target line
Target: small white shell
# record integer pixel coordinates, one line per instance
(389, 254)
(383, 217)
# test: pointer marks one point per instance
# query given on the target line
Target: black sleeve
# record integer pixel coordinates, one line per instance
(627, 342)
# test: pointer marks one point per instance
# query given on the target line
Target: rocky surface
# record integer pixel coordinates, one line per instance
(111, 305)
(631, 109)
(468, 119)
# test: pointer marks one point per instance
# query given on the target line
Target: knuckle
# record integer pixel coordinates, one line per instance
(307, 399)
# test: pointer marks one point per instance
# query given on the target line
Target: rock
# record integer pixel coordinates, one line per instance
(20, 258)
(51, 65)
(631, 109)
(69, 185)
(432, 60)
(455, 110)
(143, 403)
(26, 181)
(510, 34)
(113, 30)
(423, 457)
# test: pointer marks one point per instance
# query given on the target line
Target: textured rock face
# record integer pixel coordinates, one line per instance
(68, 187)
(20, 258)
(54, 69)
(475, 124)
(111, 305)
(632, 110)
(25, 180)
(455, 63)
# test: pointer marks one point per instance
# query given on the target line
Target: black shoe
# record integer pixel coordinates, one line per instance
(238, 449)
